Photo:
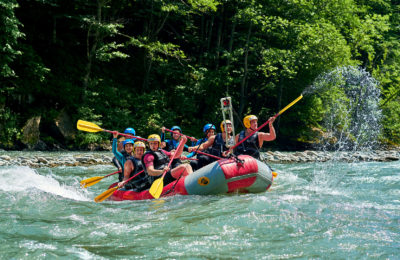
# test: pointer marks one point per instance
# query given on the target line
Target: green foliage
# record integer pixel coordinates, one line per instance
(9, 35)
(391, 122)
(147, 64)
(8, 128)
(85, 138)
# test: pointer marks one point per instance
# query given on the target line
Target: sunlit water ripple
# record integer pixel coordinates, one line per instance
(313, 210)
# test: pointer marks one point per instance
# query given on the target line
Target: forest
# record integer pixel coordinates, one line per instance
(152, 63)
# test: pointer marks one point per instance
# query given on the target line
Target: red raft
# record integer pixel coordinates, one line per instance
(220, 177)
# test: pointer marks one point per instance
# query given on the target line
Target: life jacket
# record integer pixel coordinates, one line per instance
(199, 142)
(173, 144)
(250, 146)
(140, 182)
(161, 160)
(218, 146)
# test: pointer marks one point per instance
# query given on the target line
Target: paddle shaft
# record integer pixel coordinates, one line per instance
(189, 137)
(112, 174)
(89, 125)
(213, 156)
(132, 177)
(126, 135)
(261, 126)
(170, 161)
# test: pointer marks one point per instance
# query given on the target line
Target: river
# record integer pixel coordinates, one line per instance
(324, 210)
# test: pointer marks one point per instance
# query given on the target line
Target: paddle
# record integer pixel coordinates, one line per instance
(109, 192)
(280, 112)
(158, 185)
(189, 137)
(213, 156)
(93, 128)
(92, 181)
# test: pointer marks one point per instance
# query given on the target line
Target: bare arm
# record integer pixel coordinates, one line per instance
(178, 153)
(153, 172)
(208, 143)
(128, 168)
(204, 145)
(268, 136)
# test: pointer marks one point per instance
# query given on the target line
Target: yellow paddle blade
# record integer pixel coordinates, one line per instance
(274, 174)
(157, 188)
(91, 181)
(105, 194)
(291, 104)
(88, 127)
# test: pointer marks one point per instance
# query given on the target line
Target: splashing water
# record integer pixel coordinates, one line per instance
(29, 180)
(350, 97)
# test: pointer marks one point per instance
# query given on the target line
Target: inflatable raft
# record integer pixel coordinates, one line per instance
(220, 177)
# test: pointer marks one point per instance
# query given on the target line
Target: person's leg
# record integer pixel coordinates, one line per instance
(195, 165)
(183, 169)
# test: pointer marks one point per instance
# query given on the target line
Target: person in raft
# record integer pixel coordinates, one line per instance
(156, 161)
(252, 145)
(122, 157)
(216, 144)
(120, 148)
(203, 160)
(172, 144)
(132, 166)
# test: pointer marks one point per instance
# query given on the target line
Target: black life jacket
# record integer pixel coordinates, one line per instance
(140, 182)
(250, 146)
(218, 146)
(170, 146)
(161, 160)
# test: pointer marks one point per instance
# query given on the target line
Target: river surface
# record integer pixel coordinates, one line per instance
(325, 210)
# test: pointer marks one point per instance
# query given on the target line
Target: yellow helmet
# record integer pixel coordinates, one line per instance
(223, 123)
(154, 137)
(139, 144)
(247, 120)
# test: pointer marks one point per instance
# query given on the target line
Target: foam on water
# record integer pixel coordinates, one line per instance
(21, 179)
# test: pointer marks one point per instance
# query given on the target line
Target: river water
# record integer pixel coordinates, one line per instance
(313, 210)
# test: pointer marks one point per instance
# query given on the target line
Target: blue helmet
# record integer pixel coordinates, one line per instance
(175, 127)
(130, 130)
(128, 141)
(208, 127)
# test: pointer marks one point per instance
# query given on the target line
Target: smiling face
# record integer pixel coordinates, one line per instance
(139, 151)
(176, 135)
(128, 148)
(210, 132)
(153, 145)
(229, 128)
(254, 124)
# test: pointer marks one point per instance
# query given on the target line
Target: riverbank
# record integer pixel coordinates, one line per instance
(56, 159)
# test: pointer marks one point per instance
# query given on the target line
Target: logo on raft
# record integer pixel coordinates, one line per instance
(203, 181)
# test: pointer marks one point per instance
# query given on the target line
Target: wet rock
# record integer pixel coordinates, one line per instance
(5, 157)
(30, 132)
(65, 125)
(42, 160)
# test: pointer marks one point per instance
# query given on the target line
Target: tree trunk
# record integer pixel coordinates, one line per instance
(219, 39)
(91, 51)
(243, 88)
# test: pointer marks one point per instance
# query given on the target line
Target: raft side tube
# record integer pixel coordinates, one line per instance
(208, 180)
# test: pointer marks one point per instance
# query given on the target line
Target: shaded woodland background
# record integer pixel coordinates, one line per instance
(150, 63)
